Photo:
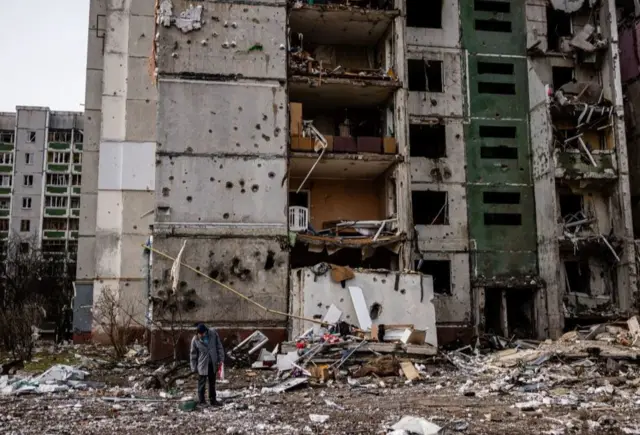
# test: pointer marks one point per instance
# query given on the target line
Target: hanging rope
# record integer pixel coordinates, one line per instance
(234, 291)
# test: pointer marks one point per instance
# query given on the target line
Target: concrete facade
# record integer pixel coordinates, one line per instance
(40, 164)
(193, 132)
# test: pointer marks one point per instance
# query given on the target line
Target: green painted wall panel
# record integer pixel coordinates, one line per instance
(505, 263)
(57, 168)
(53, 189)
(494, 32)
(500, 197)
(488, 89)
(59, 145)
(55, 234)
(5, 190)
(4, 212)
(494, 158)
(55, 211)
(6, 146)
(495, 236)
(6, 168)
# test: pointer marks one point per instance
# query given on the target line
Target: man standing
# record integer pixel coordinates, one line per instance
(206, 353)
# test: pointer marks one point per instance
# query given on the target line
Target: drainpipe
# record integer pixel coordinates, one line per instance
(148, 316)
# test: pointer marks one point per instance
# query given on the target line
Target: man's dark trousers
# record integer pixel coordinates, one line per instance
(202, 381)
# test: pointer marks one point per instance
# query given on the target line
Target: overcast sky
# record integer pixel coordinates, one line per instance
(43, 47)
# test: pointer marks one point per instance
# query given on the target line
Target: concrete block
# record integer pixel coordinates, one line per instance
(32, 119)
(95, 52)
(114, 83)
(116, 39)
(92, 124)
(260, 272)
(135, 205)
(108, 254)
(137, 261)
(127, 166)
(113, 124)
(142, 7)
(90, 165)
(109, 208)
(88, 208)
(93, 95)
(222, 117)
(222, 190)
(141, 120)
(86, 262)
(139, 80)
(141, 35)
(251, 43)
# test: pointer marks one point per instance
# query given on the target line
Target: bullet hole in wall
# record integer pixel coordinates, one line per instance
(165, 191)
(264, 117)
(272, 174)
(210, 131)
(229, 185)
(238, 144)
(171, 177)
(258, 127)
(189, 199)
(226, 215)
(375, 310)
(242, 191)
(266, 138)
(211, 179)
(242, 183)
(268, 265)
(255, 188)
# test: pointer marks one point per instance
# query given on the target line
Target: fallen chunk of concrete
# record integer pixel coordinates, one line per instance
(317, 418)
(416, 425)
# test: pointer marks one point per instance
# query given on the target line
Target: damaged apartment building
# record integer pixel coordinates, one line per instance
(465, 160)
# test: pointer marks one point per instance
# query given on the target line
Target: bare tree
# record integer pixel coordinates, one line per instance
(115, 320)
(33, 286)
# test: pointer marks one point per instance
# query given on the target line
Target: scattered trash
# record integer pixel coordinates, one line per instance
(415, 426)
(317, 418)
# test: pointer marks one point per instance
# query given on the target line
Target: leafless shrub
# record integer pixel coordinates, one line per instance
(115, 320)
(18, 328)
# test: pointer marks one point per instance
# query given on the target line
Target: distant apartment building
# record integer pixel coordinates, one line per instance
(479, 147)
(40, 179)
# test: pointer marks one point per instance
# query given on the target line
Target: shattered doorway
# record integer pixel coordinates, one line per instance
(510, 312)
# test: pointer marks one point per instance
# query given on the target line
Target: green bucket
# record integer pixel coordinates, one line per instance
(189, 405)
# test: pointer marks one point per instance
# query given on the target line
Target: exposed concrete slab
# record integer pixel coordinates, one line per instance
(222, 189)
(234, 40)
(242, 263)
(255, 121)
(348, 166)
(332, 26)
(333, 92)
(406, 298)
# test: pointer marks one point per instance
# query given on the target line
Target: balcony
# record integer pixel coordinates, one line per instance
(354, 138)
(56, 167)
(56, 211)
(59, 145)
(573, 165)
(4, 212)
(54, 234)
(57, 189)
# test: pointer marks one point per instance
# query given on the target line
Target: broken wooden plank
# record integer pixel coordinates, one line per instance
(409, 371)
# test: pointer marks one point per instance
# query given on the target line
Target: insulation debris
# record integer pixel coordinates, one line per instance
(187, 21)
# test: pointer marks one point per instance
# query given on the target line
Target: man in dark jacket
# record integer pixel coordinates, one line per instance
(206, 353)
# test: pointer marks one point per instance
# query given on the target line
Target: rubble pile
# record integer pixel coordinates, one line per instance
(337, 378)
(305, 63)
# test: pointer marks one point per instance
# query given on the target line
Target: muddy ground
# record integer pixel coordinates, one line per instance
(459, 401)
